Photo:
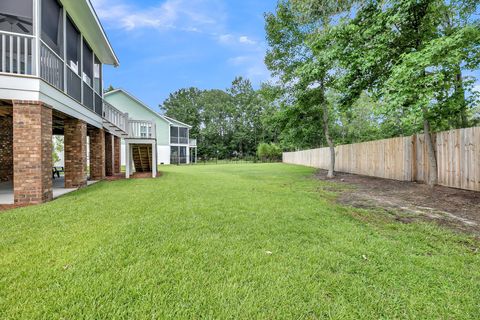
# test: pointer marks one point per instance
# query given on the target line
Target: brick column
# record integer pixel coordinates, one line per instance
(97, 154)
(32, 152)
(117, 155)
(108, 154)
(75, 146)
(6, 149)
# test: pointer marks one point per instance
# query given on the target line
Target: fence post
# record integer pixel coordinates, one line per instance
(414, 158)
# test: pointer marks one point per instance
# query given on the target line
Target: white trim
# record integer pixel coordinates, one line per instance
(128, 94)
(13, 87)
(176, 122)
(95, 16)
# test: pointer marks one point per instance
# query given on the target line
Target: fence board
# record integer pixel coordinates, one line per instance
(405, 158)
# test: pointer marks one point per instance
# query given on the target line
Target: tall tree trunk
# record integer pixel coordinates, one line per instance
(331, 145)
(432, 157)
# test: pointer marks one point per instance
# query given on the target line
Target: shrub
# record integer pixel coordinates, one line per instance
(269, 152)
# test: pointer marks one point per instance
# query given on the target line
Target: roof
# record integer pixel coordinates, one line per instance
(178, 123)
(169, 120)
(86, 20)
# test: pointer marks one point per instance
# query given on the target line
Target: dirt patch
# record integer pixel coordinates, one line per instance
(410, 201)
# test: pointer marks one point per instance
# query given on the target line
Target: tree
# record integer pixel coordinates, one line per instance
(57, 148)
(184, 105)
(304, 74)
(399, 52)
(110, 88)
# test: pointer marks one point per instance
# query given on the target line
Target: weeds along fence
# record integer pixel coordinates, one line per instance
(405, 158)
(245, 160)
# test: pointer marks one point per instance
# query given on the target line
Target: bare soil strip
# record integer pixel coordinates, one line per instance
(410, 201)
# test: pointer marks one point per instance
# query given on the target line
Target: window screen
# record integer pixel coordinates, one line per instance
(52, 25)
(97, 75)
(87, 63)
(73, 46)
(16, 16)
(183, 135)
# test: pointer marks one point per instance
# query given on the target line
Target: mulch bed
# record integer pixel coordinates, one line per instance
(454, 208)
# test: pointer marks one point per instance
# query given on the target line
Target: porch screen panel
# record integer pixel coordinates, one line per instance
(74, 82)
(97, 75)
(183, 155)
(97, 84)
(16, 16)
(52, 25)
(73, 47)
(174, 155)
(87, 64)
(173, 134)
(183, 133)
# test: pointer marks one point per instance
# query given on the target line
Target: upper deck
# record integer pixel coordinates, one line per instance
(54, 51)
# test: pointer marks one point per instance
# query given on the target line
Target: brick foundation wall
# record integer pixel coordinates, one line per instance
(6, 149)
(97, 154)
(108, 154)
(117, 155)
(75, 149)
(32, 152)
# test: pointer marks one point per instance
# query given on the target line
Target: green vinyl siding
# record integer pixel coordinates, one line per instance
(136, 111)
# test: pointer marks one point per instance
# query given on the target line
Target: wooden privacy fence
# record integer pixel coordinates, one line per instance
(405, 158)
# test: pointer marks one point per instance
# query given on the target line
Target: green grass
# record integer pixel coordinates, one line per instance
(196, 243)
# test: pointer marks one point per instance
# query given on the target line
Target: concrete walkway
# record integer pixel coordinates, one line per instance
(6, 190)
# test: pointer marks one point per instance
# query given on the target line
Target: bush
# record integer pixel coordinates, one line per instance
(269, 152)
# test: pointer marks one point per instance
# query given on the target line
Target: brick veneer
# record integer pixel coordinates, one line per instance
(117, 154)
(32, 152)
(108, 154)
(75, 149)
(6, 148)
(97, 154)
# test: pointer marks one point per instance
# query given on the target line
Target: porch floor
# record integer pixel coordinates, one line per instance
(6, 190)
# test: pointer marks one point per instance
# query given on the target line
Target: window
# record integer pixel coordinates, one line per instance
(16, 16)
(97, 75)
(73, 47)
(143, 131)
(52, 25)
(87, 64)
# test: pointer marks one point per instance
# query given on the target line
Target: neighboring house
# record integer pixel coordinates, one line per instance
(173, 142)
(51, 59)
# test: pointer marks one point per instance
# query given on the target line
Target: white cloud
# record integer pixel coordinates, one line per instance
(185, 15)
(252, 66)
(246, 40)
(229, 39)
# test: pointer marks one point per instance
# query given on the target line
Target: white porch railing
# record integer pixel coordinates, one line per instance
(141, 129)
(193, 142)
(114, 116)
(51, 67)
(16, 53)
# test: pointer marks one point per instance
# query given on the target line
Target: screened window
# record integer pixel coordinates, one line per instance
(87, 64)
(73, 47)
(97, 75)
(52, 25)
(16, 16)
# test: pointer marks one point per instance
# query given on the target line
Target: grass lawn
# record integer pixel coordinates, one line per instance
(228, 241)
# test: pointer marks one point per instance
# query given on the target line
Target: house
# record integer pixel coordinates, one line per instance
(52, 54)
(173, 142)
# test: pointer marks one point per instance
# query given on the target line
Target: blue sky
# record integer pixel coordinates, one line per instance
(165, 45)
